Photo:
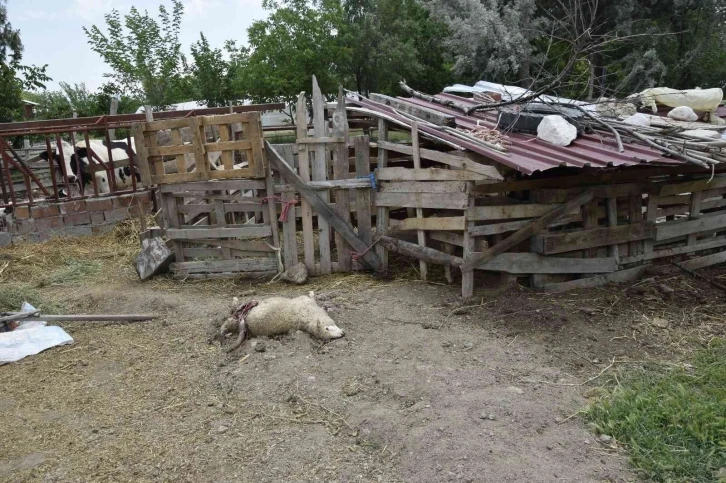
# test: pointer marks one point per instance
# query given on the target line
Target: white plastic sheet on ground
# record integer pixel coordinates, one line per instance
(706, 100)
(30, 338)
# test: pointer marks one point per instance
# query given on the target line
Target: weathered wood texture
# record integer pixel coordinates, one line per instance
(193, 158)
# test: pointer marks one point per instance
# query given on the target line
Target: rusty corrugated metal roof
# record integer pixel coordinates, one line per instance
(527, 154)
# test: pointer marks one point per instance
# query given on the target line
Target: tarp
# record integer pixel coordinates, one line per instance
(30, 338)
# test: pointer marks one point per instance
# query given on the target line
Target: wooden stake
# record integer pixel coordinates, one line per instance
(419, 211)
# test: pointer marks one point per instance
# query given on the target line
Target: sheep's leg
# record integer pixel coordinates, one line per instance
(241, 337)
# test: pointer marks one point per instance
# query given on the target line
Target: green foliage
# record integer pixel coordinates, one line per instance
(366, 45)
(672, 421)
(145, 54)
(13, 75)
(295, 42)
(213, 76)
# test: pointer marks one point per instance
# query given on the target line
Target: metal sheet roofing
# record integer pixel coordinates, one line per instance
(527, 154)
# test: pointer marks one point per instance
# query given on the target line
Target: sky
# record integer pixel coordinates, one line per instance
(51, 30)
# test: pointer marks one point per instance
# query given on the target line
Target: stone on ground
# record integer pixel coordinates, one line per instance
(297, 274)
(154, 258)
(637, 119)
(683, 113)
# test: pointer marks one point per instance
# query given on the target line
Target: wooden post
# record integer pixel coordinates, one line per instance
(651, 217)
(320, 173)
(449, 250)
(612, 216)
(382, 215)
(363, 169)
(113, 111)
(467, 275)
(695, 213)
(341, 170)
(304, 172)
(419, 211)
(636, 216)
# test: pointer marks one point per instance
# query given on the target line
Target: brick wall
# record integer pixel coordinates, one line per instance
(71, 218)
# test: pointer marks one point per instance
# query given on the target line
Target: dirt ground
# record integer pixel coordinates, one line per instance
(419, 390)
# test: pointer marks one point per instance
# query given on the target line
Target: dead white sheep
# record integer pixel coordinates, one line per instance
(278, 316)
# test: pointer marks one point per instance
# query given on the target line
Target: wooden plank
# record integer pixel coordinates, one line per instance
(676, 229)
(550, 243)
(651, 216)
(323, 209)
(226, 156)
(612, 210)
(238, 245)
(423, 187)
(203, 252)
(456, 239)
(528, 263)
(590, 221)
(176, 138)
(693, 186)
(457, 223)
(421, 234)
(320, 173)
(670, 252)
(182, 275)
(702, 262)
(427, 174)
(455, 161)
(234, 118)
(216, 266)
(256, 154)
(597, 281)
(506, 212)
(226, 185)
(451, 201)
(271, 217)
(362, 170)
(498, 228)
(289, 235)
(227, 146)
(201, 158)
(695, 213)
(142, 155)
(382, 217)
(430, 115)
(526, 232)
(635, 207)
(247, 231)
(163, 125)
(342, 184)
(341, 173)
(469, 247)
(304, 170)
(171, 150)
(321, 140)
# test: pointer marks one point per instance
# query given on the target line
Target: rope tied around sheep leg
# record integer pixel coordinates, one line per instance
(357, 256)
(286, 205)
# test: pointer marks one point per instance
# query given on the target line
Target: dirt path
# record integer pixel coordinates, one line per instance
(475, 397)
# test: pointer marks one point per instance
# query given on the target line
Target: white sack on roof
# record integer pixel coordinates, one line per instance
(637, 119)
(556, 130)
(683, 113)
(697, 99)
(703, 133)
(511, 92)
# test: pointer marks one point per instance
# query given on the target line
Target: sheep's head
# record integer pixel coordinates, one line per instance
(323, 326)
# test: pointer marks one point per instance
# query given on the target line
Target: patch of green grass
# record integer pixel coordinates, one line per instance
(72, 271)
(12, 298)
(673, 420)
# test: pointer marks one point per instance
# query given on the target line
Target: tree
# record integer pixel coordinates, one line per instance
(365, 45)
(213, 76)
(295, 42)
(145, 54)
(11, 84)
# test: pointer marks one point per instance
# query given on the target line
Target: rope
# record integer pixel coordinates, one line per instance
(357, 256)
(286, 205)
